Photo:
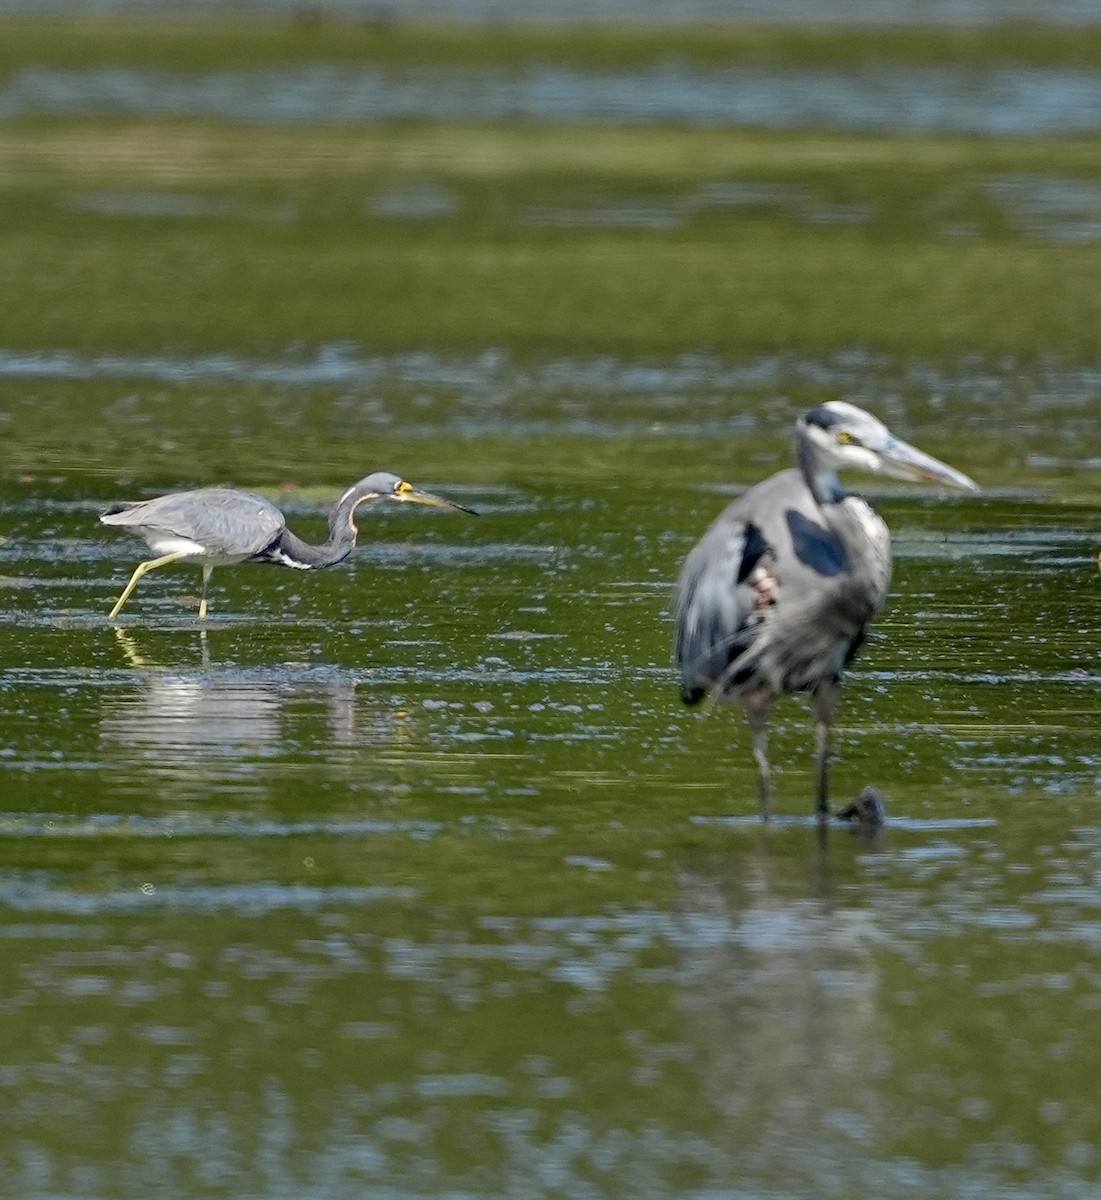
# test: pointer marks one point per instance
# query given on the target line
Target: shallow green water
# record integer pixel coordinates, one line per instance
(414, 877)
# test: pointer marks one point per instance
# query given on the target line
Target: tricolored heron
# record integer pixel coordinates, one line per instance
(214, 527)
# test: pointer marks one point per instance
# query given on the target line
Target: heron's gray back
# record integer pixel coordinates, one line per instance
(831, 567)
(223, 520)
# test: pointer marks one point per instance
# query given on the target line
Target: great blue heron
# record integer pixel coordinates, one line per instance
(778, 594)
(214, 527)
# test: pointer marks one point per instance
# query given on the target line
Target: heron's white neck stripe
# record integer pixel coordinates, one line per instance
(277, 555)
(827, 487)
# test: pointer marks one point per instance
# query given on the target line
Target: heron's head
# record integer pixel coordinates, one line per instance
(838, 435)
(383, 485)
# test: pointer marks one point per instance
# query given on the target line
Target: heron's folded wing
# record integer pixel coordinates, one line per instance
(715, 602)
(222, 520)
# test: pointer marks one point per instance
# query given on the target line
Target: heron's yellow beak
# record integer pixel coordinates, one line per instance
(412, 495)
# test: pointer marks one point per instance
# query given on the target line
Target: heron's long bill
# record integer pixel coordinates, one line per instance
(414, 495)
(904, 461)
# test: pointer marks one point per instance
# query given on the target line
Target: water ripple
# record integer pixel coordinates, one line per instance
(254, 899)
(953, 13)
(1004, 101)
(496, 378)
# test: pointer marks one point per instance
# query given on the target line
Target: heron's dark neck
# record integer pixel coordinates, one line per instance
(822, 480)
(292, 551)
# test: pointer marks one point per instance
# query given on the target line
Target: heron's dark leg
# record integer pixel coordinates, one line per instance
(822, 762)
(825, 702)
(756, 710)
(207, 572)
(139, 571)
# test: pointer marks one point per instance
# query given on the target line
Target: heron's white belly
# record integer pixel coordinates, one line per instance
(192, 551)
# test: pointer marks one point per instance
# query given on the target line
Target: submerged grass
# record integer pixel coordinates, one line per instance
(196, 153)
(769, 292)
(311, 36)
(152, 235)
(168, 235)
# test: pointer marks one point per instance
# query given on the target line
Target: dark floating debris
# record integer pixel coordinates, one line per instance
(867, 811)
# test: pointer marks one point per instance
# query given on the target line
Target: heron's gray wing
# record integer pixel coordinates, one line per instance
(222, 520)
(716, 604)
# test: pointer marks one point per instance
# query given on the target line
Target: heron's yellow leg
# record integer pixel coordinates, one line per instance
(139, 571)
(207, 572)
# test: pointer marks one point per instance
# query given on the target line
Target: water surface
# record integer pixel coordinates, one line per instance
(999, 100)
(870, 12)
(415, 875)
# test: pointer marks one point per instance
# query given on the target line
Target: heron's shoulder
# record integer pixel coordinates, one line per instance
(741, 534)
(784, 487)
(763, 504)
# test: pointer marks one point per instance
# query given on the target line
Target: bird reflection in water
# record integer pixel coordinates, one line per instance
(778, 989)
(210, 726)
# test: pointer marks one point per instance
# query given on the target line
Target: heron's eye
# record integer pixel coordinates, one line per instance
(846, 439)
(402, 487)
